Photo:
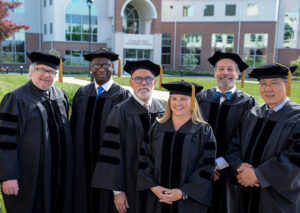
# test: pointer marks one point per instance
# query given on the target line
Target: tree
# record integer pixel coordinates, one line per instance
(7, 27)
(190, 61)
(296, 63)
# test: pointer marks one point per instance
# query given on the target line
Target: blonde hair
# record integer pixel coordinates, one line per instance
(196, 114)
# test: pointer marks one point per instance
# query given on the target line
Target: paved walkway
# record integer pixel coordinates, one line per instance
(162, 95)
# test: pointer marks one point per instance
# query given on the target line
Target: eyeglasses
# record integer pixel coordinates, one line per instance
(273, 85)
(98, 66)
(44, 71)
(147, 79)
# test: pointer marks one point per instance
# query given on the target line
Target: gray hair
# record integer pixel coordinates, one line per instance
(32, 67)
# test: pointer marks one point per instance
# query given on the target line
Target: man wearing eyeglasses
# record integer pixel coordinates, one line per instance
(91, 107)
(266, 151)
(36, 153)
(126, 128)
(223, 108)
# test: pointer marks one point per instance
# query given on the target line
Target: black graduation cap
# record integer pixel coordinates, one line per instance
(275, 71)
(102, 52)
(184, 88)
(132, 66)
(45, 58)
(272, 71)
(235, 57)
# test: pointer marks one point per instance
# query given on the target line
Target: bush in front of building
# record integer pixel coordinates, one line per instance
(296, 63)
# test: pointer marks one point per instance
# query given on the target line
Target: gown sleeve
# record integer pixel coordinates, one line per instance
(9, 131)
(110, 170)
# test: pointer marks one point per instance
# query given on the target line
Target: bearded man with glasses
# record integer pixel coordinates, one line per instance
(36, 153)
(91, 107)
(126, 128)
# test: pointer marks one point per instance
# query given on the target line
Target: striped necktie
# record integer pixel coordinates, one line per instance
(100, 89)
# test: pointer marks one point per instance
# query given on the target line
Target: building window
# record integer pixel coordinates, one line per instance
(13, 49)
(136, 54)
(19, 9)
(166, 49)
(290, 27)
(77, 22)
(255, 49)
(131, 20)
(50, 2)
(45, 3)
(51, 28)
(252, 9)
(45, 29)
(190, 47)
(74, 58)
(188, 10)
(222, 42)
(230, 10)
(209, 10)
(168, 11)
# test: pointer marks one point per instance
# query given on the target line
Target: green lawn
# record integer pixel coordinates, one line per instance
(250, 88)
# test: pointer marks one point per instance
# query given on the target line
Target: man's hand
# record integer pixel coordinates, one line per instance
(160, 192)
(174, 194)
(246, 176)
(10, 187)
(121, 202)
(216, 175)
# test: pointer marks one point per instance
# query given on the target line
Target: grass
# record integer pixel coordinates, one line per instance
(251, 88)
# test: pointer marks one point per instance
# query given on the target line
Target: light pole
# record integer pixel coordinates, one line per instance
(89, 3)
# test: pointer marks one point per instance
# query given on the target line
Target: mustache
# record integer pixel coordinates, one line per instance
(144, 87)
(225, 77)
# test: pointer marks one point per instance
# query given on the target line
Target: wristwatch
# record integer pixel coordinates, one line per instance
(184, 196)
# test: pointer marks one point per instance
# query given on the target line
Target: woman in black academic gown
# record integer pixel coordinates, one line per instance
(177, 162)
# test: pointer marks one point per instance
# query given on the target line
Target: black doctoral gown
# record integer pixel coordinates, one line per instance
(182, 159)
(272, 146)
(88, 119)
(225, 120)
(36, 149)
(117, 168)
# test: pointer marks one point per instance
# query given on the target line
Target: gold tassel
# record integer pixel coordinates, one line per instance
(193, 96)
(120, 68)
(289, 81)
(60, 73)
(243, 79)
(289, 84)
(161, 76)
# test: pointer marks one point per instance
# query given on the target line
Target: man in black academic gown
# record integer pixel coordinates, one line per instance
(91, 107)
(36, 154)
(223, 108)
(266, 152)
(127, 125)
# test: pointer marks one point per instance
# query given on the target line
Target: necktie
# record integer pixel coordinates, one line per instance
(146, 105)
(100, 89)
(218, 95)
(270, 112)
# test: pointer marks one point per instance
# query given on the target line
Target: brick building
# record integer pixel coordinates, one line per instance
(169, 32)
